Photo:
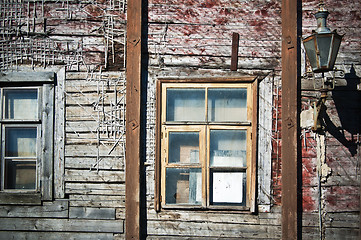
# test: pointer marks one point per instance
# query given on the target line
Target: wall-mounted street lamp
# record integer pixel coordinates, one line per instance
(321, 48)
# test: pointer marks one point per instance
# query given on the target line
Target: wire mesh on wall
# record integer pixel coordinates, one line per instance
(28, 38)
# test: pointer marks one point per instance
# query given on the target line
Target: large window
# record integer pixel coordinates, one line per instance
(26, 121)
(206, 154)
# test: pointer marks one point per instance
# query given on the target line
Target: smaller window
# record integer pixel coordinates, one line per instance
(26, 154)
(20, 128)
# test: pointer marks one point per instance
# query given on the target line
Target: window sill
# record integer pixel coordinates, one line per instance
(209, 208)
(20, 198)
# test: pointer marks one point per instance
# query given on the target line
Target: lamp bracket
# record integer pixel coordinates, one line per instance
(319, 109)
(325, 80)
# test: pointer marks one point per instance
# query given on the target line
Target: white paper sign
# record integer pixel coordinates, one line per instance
(227, 187)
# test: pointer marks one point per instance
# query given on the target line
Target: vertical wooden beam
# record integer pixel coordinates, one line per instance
(290, 120)
(234, 56)
(133, 121)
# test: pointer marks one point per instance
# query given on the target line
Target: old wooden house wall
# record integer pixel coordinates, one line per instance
(83, 43)
(331, 199)
(193, 39)
(185, 39)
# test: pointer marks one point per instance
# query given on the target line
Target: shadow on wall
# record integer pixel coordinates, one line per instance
(347, 100)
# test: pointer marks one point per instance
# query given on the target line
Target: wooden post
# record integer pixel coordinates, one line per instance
(133, 121)
(290, 119)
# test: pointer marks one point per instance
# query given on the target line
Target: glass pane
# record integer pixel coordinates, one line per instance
(323, 43)
(183, 147)
(20, 142)
(228, 188)
(183, 186)
(336, 46)
(185, 104)
(227, 104)
(21, 104)
(20, 175)
(309, 44)
(228, 148)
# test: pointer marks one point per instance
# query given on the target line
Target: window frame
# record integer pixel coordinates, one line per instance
(250, 125)
(44, 82)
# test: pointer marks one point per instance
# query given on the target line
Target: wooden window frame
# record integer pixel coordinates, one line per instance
(44, 82)
(250, 125)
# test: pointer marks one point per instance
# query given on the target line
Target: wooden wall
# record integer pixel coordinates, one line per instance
(83, 41)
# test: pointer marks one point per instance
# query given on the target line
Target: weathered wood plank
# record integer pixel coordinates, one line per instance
(84, 75)
(89, 125)
(342, 233)
(96, 201)
(54, 235)
(94, 98)
(91, 213)
(61, 225)
(264, 150)
(77, 175)
(213, 217)
(20, 198)
(93, 150)
(214, 61)
(207, 229)
(104, 163)
(333, 220)
(47, 144)
(28, 77)
(157, 237)
(96, 189)
(59, 133)
(56, 209)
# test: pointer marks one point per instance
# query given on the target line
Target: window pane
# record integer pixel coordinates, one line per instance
(20, 142)
(185, 105)
(21, 104)
(20, 175)
(323, 43)
(228, 148)
(228, 188)
(183, 147)
(183, 186)
(227, 104)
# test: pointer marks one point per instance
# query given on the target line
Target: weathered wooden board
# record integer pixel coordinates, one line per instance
(56, 209)
(95, 98)
(58, 225)
(212, 229)
(85, 126)
(217, 13)
(54, 235)
(95, 189)
(81, 76)
(96, 201)
(20, 198)
(214, 217)
(213, 61)
(333, 220)
(59, 135)
(28, 77)
(93, 150)
(77, 175)
(104, 163)
(91, 213)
